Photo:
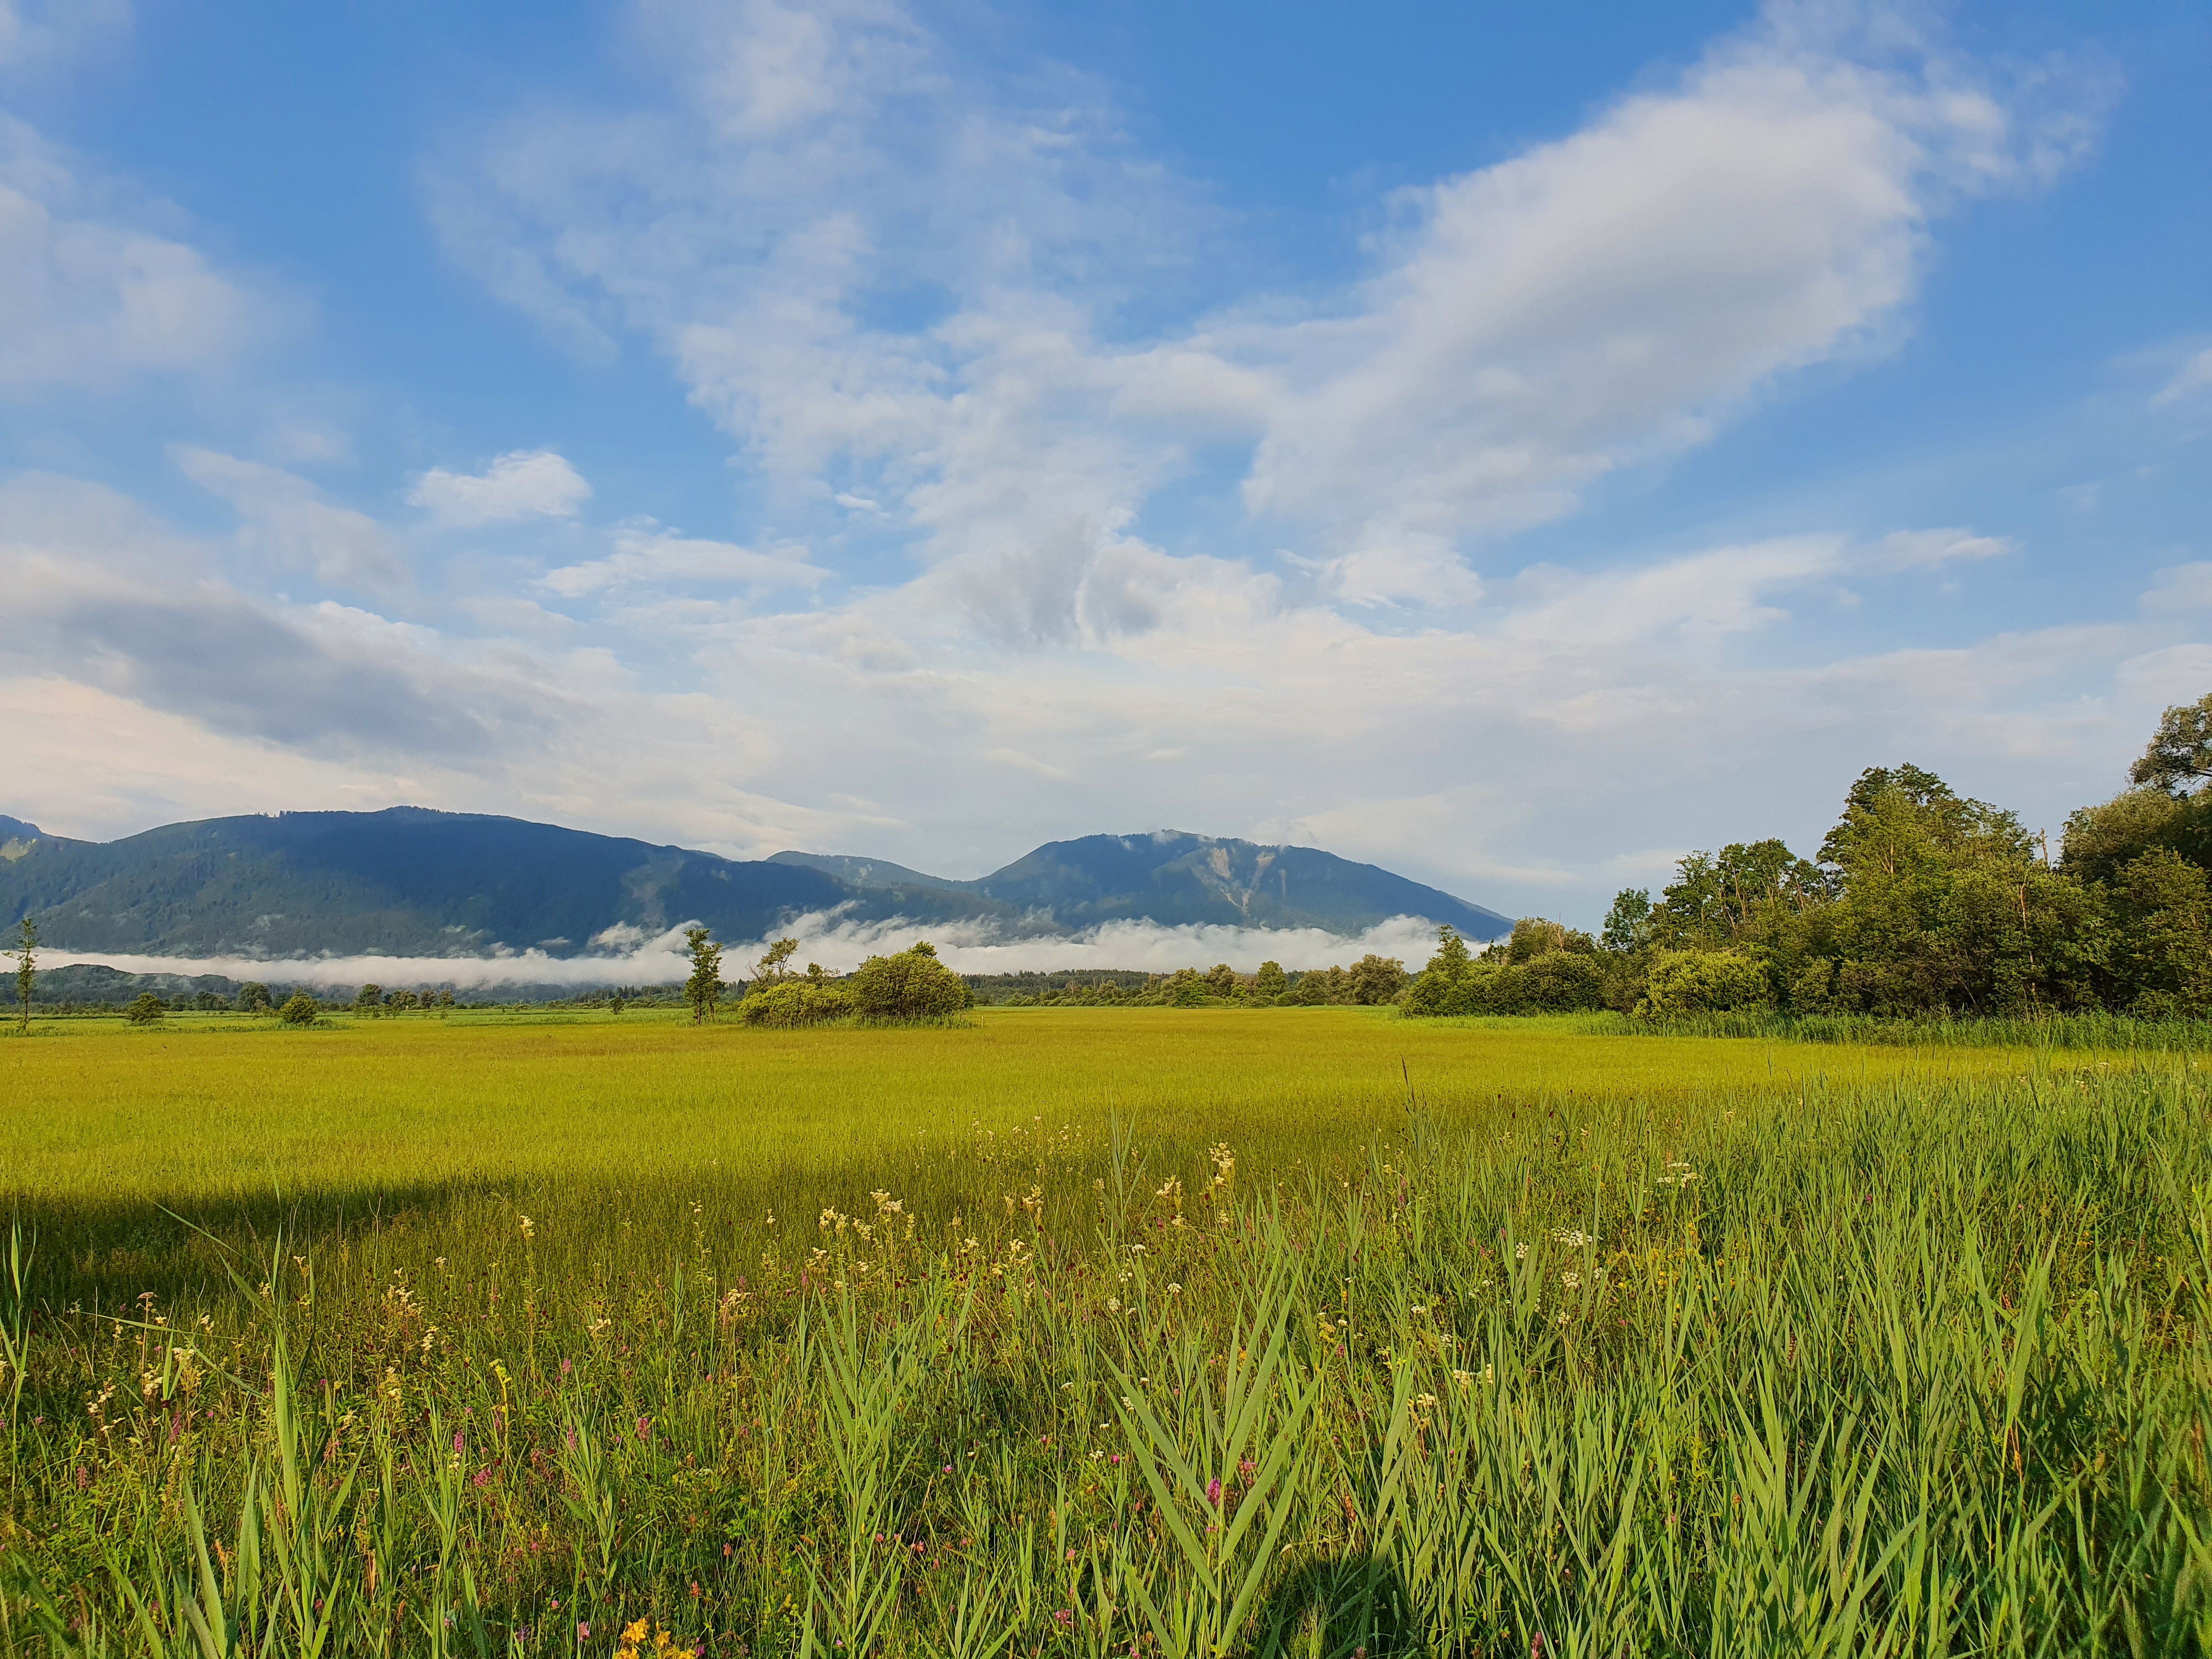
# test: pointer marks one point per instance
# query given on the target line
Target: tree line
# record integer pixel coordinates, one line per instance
(1920, 903)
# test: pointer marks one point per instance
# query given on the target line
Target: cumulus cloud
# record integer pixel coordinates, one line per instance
(523, 483)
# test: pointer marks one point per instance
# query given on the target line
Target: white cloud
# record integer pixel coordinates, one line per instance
(93, 285)
(285, 520)
(629, 957)
(2195, 375)
(1592, 304)
(40, 31)
(2182, 587)
(972, 350)
(523, 483)
(1932, 550)
(649, 556)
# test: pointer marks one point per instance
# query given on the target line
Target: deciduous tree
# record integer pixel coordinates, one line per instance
(703, 990)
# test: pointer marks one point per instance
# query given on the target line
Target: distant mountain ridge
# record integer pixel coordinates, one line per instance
(411, 881)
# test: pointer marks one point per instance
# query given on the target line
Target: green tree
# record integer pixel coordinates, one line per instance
(1267, 984)
(770, 970)
(1187, 988)
(2101, 841)
(1221, 980)
(910, 985)
(252, 997)
(27, 968)
(1375, 980)
(2162, 949)
(2180, 757)
(1440, 986)
(1943, 905)
(145, 1009)
(703, 990)
(298, 1009)
(1628, 923)
(370, 996)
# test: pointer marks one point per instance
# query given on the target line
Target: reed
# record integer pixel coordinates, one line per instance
(1912, 1364)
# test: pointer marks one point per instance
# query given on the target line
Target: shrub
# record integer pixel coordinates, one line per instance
(912, 985)
(1702, 982)
(146, 1009)
(797, 1002)
(300, 1009)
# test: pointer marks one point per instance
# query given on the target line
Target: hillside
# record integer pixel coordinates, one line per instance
(409, 881)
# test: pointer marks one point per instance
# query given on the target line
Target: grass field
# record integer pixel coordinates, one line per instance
(1085, 1332)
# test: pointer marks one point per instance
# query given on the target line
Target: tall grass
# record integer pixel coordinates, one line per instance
(2095, 1031)
(1904, 1368)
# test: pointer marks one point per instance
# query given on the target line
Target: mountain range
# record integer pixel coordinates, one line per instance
(409, 881)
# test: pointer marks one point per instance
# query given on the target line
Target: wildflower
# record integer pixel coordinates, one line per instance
(1213, 1492)
(528, 1231)
(1520, 1252)
(645, 1428)
(1175, 1289)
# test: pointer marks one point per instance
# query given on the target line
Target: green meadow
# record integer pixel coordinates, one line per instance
(1092, 1332)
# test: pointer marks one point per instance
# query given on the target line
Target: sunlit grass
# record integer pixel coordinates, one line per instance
(1361, 1335)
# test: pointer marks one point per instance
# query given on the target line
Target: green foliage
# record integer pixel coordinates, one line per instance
(1188, 989)
(1270, 982)
(798, 1002)
(1702, 982)
(147, 1009)
(27, 968)
(1542, 967)
(298, 1009)
(2102, 841)
(702, 991)
(1628, 923)
(1375, 980)
(2180, 757)
(773, 966)
(2162, 960)
(911, 984)
(252, 997)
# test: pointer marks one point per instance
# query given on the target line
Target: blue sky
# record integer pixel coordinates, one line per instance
(1513, 445)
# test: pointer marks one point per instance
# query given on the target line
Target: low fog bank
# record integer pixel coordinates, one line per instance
(836, 943)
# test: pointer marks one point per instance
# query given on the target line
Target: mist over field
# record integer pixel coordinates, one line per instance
(838, 944)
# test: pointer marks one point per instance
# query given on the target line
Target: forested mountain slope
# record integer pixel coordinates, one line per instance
(410, 881)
